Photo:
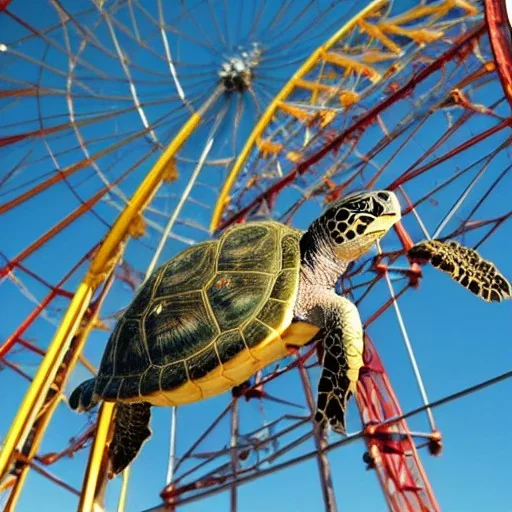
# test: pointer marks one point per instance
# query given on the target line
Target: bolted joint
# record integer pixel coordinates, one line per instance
(435, 444)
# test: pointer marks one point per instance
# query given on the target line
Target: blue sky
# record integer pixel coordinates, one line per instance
(458, 339)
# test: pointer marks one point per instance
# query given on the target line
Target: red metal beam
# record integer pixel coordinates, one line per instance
(501, 42)
(391, 448)
(4, 4)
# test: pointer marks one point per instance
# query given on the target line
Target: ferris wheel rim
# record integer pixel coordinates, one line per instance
(235, 176)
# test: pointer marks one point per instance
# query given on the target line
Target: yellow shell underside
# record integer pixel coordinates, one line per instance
(236, 371)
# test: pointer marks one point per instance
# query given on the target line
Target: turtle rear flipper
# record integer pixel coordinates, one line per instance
(131, 429)
(83, 397)
(465, 266)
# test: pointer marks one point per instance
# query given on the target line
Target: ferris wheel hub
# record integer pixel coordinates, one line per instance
(237, 71)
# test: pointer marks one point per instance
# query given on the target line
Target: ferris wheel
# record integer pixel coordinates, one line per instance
(132, 130)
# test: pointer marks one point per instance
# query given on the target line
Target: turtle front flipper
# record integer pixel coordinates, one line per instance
(131, 429)
(342, 359)
(465, 266)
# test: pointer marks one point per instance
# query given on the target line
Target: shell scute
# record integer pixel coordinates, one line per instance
(254, 332)
(112, 387)
(101, 385)
(285, 285)
(108, 359)
(290, 253)
(203, 363)
(177, 329)
(173, 375)
(234, 297)
(272, 313)
(130, 387)
(188, 271)
(131, 356)
(143, 296)
(200, 310)
(229, 345)
(150, 381)
(251, 248)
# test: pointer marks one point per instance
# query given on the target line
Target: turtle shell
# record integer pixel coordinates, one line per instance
(207, 319)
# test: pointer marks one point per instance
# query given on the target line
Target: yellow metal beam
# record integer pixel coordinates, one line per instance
(121, 505)
(299, 113)
(351, 64)
(52, 402)
(100, 268)
(36, 394)
(436, 10)
(41, 428)
(317, 86)
(313, 59)
(419, 36)
(91, 492)
(376, 32)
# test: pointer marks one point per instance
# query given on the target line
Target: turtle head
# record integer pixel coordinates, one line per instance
(354, 223)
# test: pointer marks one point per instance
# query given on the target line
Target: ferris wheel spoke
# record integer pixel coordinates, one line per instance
(218, 31)
(65, 173)
(109, 186)
(210, 46)
(345, 441)
(172, 67)
(320, 443)
(41, 64)
(234, 443)
(410, 351)
(177, 211)
(417, 216)
(451, 152)
(172, 459)
(64, 223)
(65, 50)
(133, 89)
(87, 33)
(39, 311)
(106, 256)
(459, 202)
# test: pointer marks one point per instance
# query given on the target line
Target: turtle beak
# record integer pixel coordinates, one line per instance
(392, 207)
(392, 213)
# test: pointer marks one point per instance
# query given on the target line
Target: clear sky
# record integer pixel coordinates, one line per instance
(458, 339)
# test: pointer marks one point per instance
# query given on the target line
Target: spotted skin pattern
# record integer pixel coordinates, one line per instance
(131, 430)
(341, 355)
(348, 223)
(334, 387)
(466, 266)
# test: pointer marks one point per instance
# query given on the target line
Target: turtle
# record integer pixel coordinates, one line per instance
(465, 266)
(220, 311)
